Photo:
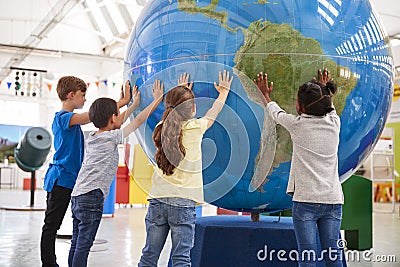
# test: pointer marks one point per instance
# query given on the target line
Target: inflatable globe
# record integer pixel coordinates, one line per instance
(246, 156)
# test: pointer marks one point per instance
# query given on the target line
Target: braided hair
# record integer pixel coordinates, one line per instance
(315, 97)
(167, 135)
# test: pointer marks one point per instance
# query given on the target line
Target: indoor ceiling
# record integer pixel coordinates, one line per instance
(88, 37)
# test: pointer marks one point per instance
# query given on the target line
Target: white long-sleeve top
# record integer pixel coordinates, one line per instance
(314, 176)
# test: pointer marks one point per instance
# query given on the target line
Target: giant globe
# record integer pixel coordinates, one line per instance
(246, 156)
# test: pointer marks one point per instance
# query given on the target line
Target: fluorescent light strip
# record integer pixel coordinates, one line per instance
(373, 26)
(377, 26)
(116, 16)
(350, 46)
(367, 34)
(325, 16)
(330, 7)
(100, 20)
(359, 41)
(354, 43)
(371, 32)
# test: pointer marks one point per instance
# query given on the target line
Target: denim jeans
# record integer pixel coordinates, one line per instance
(56, 205)
(163, 215)
(87, 210)
(318, 226)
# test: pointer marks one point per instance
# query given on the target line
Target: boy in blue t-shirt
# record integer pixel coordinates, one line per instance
(67, 160)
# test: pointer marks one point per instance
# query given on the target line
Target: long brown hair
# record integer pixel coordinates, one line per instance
(167, 136)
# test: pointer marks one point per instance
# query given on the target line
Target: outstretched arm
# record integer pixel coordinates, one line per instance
(135, 104)
(125, 96)
(262, 84)
(323, 76)
(79, 118)
(158, 91)
(223, 89)
(184, 81)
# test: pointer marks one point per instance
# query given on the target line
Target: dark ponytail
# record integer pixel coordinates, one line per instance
(167, 136)
(315, 97)
(331, 87)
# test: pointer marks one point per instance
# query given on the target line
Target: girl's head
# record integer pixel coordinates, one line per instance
(167, 136)
(314, 98)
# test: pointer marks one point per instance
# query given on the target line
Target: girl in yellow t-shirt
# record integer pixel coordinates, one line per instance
(177, 183)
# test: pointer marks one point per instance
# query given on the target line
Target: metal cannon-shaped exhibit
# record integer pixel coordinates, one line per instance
(31, 153)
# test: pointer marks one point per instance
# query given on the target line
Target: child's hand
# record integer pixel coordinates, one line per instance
(224, 82)
(158, 90)
(125, 93)
(135, 96)
(323, 76)
(262, 83)
(184, 81)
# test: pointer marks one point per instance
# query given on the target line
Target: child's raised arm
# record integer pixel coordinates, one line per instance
(262, 84)
(158, 91)
(125, 96)
(79, 118)
(135, 104)
(223, 89)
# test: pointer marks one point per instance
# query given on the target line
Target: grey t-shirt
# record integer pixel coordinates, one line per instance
(314, 176)
(100, 162)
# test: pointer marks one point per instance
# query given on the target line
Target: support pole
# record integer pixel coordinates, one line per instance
(33, 177)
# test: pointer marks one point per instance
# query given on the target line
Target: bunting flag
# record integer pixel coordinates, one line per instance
(97, 83)
(114, 84)
(105, 82)
(88, 84)
(9, 85)
(49, 86)
(0, 82)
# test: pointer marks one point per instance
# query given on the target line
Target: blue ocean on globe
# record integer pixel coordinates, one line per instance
(246, 156)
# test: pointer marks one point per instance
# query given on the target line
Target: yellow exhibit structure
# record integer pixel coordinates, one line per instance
(140, 177)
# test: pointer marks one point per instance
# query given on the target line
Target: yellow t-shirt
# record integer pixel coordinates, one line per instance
(187, 179)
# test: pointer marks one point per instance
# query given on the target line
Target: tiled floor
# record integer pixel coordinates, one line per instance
(121, 238)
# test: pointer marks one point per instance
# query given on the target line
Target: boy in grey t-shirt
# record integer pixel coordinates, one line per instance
(100, 166)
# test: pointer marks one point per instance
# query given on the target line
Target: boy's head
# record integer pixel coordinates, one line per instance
(314, 98)
(68, 84)
(102, 111)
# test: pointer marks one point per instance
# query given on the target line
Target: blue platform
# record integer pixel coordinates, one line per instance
(109, 202)
(227, 240)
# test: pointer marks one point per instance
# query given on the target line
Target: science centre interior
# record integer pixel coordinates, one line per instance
(246, 218)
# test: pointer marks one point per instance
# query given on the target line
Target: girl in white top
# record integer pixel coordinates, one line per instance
(177, 182)
(314, 180)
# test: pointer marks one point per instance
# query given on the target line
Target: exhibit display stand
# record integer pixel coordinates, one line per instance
(30, 155)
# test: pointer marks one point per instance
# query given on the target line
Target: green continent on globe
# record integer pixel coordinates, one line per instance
(191, 7)
(290, 59)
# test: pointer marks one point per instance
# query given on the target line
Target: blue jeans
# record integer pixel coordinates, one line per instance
(163, 215)
(87, 210)
(318, 226)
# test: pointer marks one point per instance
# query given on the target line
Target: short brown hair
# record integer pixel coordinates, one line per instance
(69, 84)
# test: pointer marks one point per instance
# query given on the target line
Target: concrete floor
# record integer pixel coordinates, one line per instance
(120, 238)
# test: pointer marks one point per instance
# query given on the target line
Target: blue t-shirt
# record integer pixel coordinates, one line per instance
(68, 156)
